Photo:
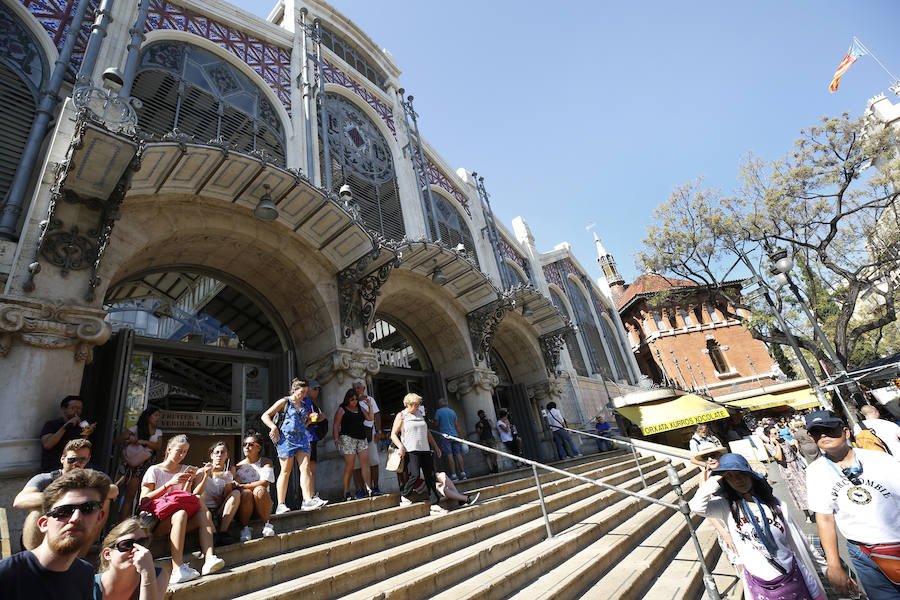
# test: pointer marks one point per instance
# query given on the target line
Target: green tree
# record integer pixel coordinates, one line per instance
(831, 202)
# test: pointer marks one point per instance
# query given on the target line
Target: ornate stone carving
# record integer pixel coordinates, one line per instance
(550, 390)
(51, 326)
(475, 379)
(551, 345)
(358, 293)
(483, 323)
(343, 363)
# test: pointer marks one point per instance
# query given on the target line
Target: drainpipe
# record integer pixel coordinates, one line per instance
(134, 49)
(307, 94)
(12, 208)
(98, 33)
(323, 121)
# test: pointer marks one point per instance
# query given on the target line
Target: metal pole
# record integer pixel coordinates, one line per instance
(537, 482)
(323, 104)
(810, 374)
(9, 218)
(98, 32)
(134, 49)
(711, 590)
(678, 368)
(307, 92)
(425, 179)
(638, 465)
(492, 230)
(419, 169)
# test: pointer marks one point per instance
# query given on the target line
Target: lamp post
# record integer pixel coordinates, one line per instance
(783, 265)
(807, 370)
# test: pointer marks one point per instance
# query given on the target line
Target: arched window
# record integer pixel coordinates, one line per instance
(350, 55)
(612, 341)
(715, 355)
(22, 70)
(192, 90)
(361, 158)
(452, 225)
(571, 340)
(585, 320)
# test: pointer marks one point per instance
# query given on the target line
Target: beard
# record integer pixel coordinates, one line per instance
(63, 544)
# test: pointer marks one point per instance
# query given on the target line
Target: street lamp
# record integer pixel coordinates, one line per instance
(783, 265)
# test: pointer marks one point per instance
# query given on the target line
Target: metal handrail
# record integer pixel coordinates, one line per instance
(675, 481)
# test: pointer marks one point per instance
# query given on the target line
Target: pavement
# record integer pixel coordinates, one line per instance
(782, 492)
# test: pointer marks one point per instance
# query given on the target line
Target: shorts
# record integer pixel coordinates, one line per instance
(351, 445)
(314, 451)
(449, 446)
(374, 456)
(491, 443)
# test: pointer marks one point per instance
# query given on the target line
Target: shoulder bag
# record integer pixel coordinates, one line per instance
(394, 460)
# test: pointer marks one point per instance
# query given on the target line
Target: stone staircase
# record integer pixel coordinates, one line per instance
(605, 544)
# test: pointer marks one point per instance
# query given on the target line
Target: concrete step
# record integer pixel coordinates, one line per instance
(516, 576)
(477, 542)
(279, 559)
(727, 580)
(682, 579)
(578, 572)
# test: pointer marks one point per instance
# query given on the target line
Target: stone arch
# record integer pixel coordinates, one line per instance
(619, 358)
(516, 343)
(589, 326)
(156, 232)
(573, 343)
(462, 231)
(515, 268)
(37, 31)
(434, 317)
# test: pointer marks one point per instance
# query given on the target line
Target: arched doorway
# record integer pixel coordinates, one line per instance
(203, 347)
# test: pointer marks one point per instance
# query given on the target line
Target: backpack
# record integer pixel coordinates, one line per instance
(867, 440)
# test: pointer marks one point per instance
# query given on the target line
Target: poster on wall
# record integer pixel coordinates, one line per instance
(256, 388)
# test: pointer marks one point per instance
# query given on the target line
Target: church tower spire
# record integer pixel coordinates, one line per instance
(608, 267)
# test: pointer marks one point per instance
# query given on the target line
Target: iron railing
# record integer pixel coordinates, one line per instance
(674, 480)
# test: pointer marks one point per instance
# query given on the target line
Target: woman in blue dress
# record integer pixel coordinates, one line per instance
(292, 442)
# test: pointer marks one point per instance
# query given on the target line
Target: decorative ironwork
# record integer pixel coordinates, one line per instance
(483, 323)
(68, 250)
(112, 111)
(551, 274)
(551, 345)
(271, 62)
(355, 138)
(350, 55)
(358, 292)
(56, 17)
(332, 74)
(438, 178)
(19, 47)
(513, 254)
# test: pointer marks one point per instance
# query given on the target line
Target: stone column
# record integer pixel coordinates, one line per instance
(43, 350)
(336, 371)
(474, 389)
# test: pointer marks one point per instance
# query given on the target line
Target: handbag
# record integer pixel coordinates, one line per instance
(278, 418)
(394, 460)
(163, 507)
(136, 455)
(886, 557)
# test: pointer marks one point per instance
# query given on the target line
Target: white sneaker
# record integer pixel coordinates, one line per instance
(472, 498)
(247, 535)
(211, 565)
(268, 530)
(309, 505)
(183, 573)
(438, 509)
(282, 508)
(319, 502)
(404, 501)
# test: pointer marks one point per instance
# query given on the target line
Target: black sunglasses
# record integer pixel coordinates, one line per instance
(77, 459)
(67, 510)
(127, 545)
(248, 444)
(832, 432)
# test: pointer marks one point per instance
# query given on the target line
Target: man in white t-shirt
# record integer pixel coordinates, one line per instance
(374, 458)
(859, 492)
(887, 432)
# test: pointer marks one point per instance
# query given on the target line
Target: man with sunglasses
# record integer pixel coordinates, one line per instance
(857, 492)
(76, 455)
(71, 510)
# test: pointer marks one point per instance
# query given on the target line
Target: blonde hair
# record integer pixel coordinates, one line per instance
(412, 399)
(127, 526)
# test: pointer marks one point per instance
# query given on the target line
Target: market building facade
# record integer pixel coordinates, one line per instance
(221, 202)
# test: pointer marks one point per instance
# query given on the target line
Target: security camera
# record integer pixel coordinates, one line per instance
(112, 79)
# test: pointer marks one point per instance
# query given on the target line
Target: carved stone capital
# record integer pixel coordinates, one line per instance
(51, 326)
(549, 390)
(476, 379)
(343, 363)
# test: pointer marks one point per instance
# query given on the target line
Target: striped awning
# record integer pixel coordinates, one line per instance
(683, 411)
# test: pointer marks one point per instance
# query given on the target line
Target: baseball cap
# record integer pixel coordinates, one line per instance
(359, 380)
(824, 419)
(313, 384)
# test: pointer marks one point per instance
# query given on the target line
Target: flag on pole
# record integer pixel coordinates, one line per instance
(853, 53)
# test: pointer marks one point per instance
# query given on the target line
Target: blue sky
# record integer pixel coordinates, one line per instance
(592, 111)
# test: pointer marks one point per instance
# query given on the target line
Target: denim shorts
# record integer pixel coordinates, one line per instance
(449, 446)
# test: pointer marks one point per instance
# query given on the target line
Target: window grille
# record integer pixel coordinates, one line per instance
(350, 55)
(570, 337)
(361, 158)
(612, 340)
(186, 88)
(585, 320)
(22, 70)
(716, 356)
(453, 227)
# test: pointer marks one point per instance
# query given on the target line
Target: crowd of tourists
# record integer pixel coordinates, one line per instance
(847, 487)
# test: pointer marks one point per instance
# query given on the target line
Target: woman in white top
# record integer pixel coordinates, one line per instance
(776, 561)
(253, 475)
(126, 566)
(411, 436)
(216, 488)
(143, 439)
(170, 474)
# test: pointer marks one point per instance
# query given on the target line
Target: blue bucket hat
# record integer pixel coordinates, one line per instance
(735, 462)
